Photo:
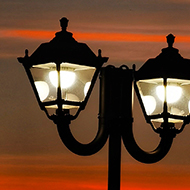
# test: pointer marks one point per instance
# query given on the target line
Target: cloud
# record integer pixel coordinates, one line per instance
(51, 172)
(91, 36)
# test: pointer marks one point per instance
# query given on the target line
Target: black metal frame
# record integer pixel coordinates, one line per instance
(115, 122)
(168, 64)
(115, 114)
(165, 115)
(26, 62)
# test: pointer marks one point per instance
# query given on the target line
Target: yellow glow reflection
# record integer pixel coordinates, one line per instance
(43, 89)
(72, 97)
(67, 78)
(86, 87)
(173, 93)
(149, 104)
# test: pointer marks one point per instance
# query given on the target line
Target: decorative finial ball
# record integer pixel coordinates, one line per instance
(64, 20)
(170, 39)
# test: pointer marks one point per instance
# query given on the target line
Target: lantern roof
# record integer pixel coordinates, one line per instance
(168, 64)
(63, 48)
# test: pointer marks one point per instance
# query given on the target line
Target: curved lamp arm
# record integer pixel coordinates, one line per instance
(147, 156)
(63, 120)
(76, 147)
(119, 103)
(115, 105)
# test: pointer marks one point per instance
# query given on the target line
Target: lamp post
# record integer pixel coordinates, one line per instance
(63, 72)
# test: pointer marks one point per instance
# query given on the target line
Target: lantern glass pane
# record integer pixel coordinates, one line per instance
(147, 89)
(75, 81)
(176, 94)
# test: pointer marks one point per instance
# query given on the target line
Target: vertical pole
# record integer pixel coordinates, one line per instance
(114, 162)
(116, 86)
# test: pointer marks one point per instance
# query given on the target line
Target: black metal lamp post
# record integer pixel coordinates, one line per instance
(60, 70)
(164, 90)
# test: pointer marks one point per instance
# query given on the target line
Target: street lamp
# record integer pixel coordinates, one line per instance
(163, 86)
(63, 72)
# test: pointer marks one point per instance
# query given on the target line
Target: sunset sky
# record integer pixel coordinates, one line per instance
(129, 32)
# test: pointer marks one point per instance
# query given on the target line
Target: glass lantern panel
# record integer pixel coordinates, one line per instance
(75, 81)
(176, 94)
(40, 73)
(147, 88)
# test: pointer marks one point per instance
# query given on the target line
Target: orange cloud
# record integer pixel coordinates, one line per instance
(44, 173)
(39, 183)
(124, 37)
(33, 34)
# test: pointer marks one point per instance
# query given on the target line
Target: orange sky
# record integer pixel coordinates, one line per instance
(61, 176)
(32, 155)
(123, 37)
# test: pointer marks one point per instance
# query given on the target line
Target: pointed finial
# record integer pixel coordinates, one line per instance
(64, 23)
(26, 53)
(170, 40)
(99, 53)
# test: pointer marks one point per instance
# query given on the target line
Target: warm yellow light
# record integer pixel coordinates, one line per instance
(67, 78)
(43, 89)
(86, 87)
(173, 93)
(149, 104)
(72, 97)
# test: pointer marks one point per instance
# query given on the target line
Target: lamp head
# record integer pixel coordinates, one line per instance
(163, 84)
(60, 70)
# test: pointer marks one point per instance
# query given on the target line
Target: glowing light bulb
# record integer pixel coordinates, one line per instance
(149, 104)
(173, 93)
(67, 78)
(43, 89)
(86, 87)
